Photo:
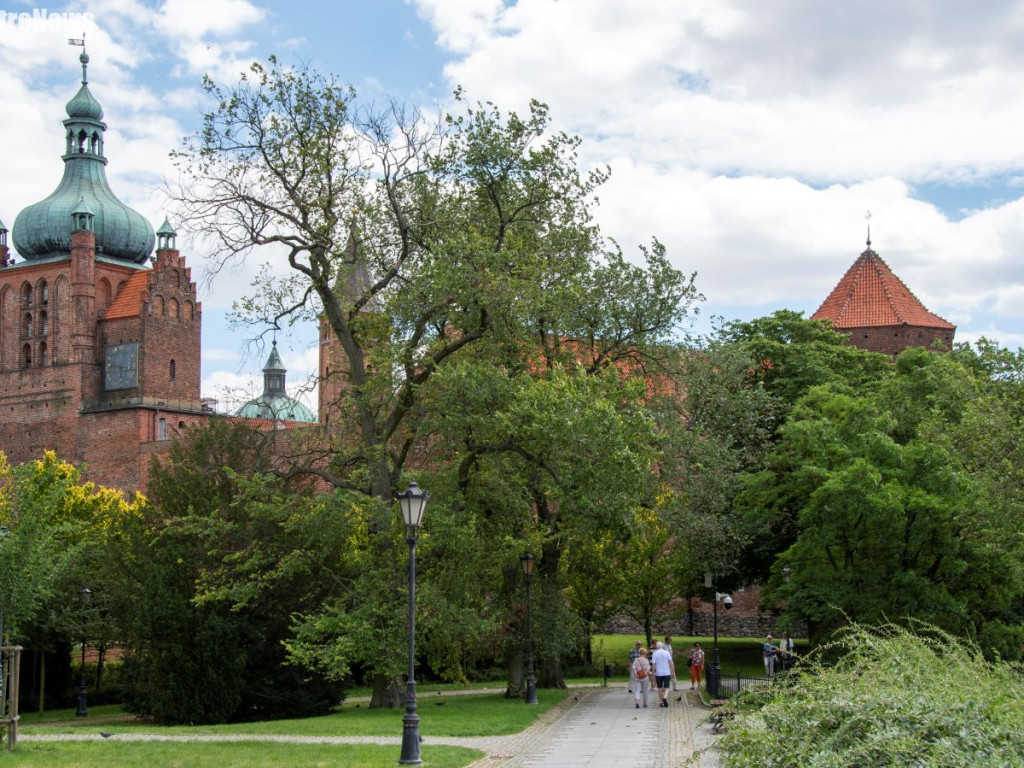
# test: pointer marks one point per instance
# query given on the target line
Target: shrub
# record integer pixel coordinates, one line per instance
(893, 697)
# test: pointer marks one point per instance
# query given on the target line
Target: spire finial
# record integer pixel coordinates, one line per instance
(84, 58)
(867, 218)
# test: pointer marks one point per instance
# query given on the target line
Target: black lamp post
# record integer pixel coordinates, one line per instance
(527, 561)
(413, 501)
(715, 673)
(86, 595)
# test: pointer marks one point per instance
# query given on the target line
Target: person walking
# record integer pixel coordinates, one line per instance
(696, 666)
(642, 673)
(769, 650)
(663, 669)
(668, 647)
(634, 652)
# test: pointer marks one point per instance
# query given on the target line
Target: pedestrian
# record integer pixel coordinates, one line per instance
(634, 652)
(769, 650)
(668, 647)
(642, 672)
(787, 653)
(696, 666)
(663, 669)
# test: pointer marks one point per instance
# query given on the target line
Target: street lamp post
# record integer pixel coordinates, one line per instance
(527, 562)
(86, 595)
(5, 534)
(412, 501)
(715, 673)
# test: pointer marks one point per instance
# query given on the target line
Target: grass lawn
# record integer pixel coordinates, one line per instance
(486, 714)
(113, 754)
(736, 654)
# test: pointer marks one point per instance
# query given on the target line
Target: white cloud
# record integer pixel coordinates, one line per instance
(752, 136)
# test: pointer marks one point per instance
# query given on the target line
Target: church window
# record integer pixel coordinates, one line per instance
(43, 326)
(173, 370)
(81, 142)
(94, 143)
(44, 292)
(26, 326)
(26, 295)
(172, 308)
(158, 306)
(26, 356)
(161, 429)
(42, 354)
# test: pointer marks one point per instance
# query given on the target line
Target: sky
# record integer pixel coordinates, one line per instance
(752, 137)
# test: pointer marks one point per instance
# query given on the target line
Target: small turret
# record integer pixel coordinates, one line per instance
(3, 245)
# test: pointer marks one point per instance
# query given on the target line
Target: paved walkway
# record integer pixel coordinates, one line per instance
(596, 728)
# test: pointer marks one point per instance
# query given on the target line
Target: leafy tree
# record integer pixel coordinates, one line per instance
(881, 518)
(653, 568)
(206, 638)
(427, 249)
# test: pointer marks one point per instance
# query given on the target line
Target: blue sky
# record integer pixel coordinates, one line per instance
(750, 136)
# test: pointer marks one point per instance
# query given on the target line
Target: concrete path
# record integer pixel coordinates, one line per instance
(596, 728)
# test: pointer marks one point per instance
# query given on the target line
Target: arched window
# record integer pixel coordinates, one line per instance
(173, 370)
(42, 354)
(26, 326)
(82, 137)
(26, 295)
(43, 326)
(172, 308)
(26, 356)
(44, 292)
(102, 294)
(161, 429)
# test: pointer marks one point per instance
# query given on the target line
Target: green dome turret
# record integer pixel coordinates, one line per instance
(43, 230)
(274, 403)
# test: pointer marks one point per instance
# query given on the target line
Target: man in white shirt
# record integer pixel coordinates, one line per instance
(664, 669)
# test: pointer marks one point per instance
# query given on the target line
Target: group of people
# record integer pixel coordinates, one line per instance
(660, 666)
(781, 656)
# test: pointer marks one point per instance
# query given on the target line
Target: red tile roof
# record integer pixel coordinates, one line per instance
(870, 295)
(128, 302)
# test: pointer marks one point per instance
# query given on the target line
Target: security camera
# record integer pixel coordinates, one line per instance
(727, 602)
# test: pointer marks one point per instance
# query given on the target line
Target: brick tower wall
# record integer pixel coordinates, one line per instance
(891, 340)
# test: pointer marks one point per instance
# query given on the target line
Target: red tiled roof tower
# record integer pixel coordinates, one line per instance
(879, 312)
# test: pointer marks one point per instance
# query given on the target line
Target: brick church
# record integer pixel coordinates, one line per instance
(99, 336)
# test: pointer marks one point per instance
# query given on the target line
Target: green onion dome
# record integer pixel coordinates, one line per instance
(43, 230)
(274, 403)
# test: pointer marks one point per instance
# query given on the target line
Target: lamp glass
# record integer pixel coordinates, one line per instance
(413, 501)
(527, 562)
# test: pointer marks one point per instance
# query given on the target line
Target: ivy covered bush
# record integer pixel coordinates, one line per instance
(887, 696)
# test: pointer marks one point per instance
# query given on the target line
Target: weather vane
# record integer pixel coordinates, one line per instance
(84, 58)
(867, 218)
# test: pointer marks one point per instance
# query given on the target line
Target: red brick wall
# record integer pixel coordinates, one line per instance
(51, 405)
(891, 340)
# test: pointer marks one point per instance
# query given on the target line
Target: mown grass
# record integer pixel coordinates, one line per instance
(736, 654)
(139, 754)
(487, 714)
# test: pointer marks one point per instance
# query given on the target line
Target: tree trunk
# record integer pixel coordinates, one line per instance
(515, 682)
(388, 693)
(551, 674)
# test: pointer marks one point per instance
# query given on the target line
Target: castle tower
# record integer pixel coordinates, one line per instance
(879, 312)
(99, 351)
